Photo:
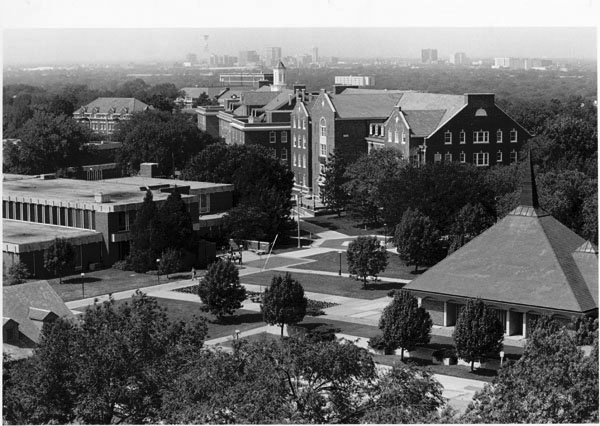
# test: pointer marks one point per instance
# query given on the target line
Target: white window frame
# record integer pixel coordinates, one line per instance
(284, 136)
(514, 157)
(323, 150)
(499, 136)
(323, 127)
(294, 141)
(396, 136)
(304, 123)
(499, 156)
(304, 161)
(462, 137)
(437, 157)
(294, 158)
(272, 136)
(403, 137)
(389, 139)
(284, 154)
(481, 159)
(448, 157)
(462, 157)
(514, 139)
(485, 136)
(303, 141)
(447, 137)
(294, 122)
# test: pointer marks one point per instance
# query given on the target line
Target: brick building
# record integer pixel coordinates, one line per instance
(102, 114)
(526, 265)
(95, 216)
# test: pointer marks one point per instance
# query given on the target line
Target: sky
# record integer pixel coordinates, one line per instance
(69, 31)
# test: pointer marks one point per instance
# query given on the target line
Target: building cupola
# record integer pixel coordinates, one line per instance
(278, 78)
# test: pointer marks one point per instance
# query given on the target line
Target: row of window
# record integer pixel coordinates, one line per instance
(273, 137)
(300, 179)
(480, 136)
(479, 158)
(51, 215)
(301, 139)
(299, 161)
(102, 126)
(298, 123)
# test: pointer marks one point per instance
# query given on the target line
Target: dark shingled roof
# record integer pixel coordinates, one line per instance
(416, 101)
(281, 100)
(27, 302)
(423, 123)
(257, 98)
(365, 105)
(105, 104)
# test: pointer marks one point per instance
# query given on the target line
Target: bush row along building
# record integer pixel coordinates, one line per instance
(95, 216)
(302, 128)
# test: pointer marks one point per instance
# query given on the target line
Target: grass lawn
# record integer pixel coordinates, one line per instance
(178, 310)
(330, 262)
(345, 225)
(340, 286)
(107, 281)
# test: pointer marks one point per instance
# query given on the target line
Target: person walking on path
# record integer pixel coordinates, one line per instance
(193, 274)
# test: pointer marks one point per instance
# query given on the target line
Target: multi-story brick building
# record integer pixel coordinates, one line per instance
(95, 216)
(102, 114)
(429, 127)
(302, 149)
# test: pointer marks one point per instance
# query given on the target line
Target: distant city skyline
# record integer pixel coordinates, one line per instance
(55, 46)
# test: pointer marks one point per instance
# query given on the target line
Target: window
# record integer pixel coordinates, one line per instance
(499, 156)
(403, 137)
(437, 157)
(323, 152)
(389, 136)
(294, 159)
(513, 136)
(481, 137)
(294, 122)
(284, 154)
(303, 142)
(371, 129)
(284, 137)
(204, 203)
(381, 131)
(272, 137)
(448, 157)
(481, 113)
(462, 137)
(304, 123)
(323, 126)
(294, 141)
(396, 136)
(513, 156)
(481, 158)
(499, 136)
(304, 161)
(463, 157)
(448, 137)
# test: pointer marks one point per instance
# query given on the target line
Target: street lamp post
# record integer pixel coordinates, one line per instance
(385, 235)
(340, 270)
(82, 285)
(298, 201)
(158, 270)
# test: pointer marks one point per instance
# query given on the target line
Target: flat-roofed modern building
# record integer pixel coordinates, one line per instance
(95, 216)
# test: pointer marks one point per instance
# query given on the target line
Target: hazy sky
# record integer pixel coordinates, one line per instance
(71, 31)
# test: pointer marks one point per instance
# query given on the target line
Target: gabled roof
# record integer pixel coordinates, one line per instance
(257, 98)
(105, 105)
(365, 105)
(281, 100)
(416, 101)
(528, 259)
(359, 91)
(422, 122)
(30, 303)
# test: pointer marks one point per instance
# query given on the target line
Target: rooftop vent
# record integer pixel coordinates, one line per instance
(99, 197)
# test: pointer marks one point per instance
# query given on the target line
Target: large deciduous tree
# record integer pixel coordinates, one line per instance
(404, 324)
(469, 222)
(161, 137)
(334, 194)
(220, 289)
(173, 224)
(366, 257)
(143, 245)
(552, 382)
(58, 257)
(417, 239)
(48, 143)
(112, 366)
(260, 181)
(478, 332)
(283, 302)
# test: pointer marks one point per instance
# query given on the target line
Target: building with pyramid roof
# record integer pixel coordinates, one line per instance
(526, 265)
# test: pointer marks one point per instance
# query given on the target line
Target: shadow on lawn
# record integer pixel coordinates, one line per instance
(77, 280)
(246, 318)
(383, 286)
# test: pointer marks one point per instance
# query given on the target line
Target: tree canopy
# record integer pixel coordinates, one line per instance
(334, 194)
(113, 366)
(553, 382)
(283, 301)
(58, 257)
(366, 257)
(161, 137)
(220, 289)
(417, 239)
(405, 324)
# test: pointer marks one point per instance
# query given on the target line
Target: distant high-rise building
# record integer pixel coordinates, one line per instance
(501, 63)
(354, 80)
(315, 55)
(248, 57)
(303, 60)
(460, 58)
(429, 56)
(222, 60)
(272, 56)
(191, 58)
